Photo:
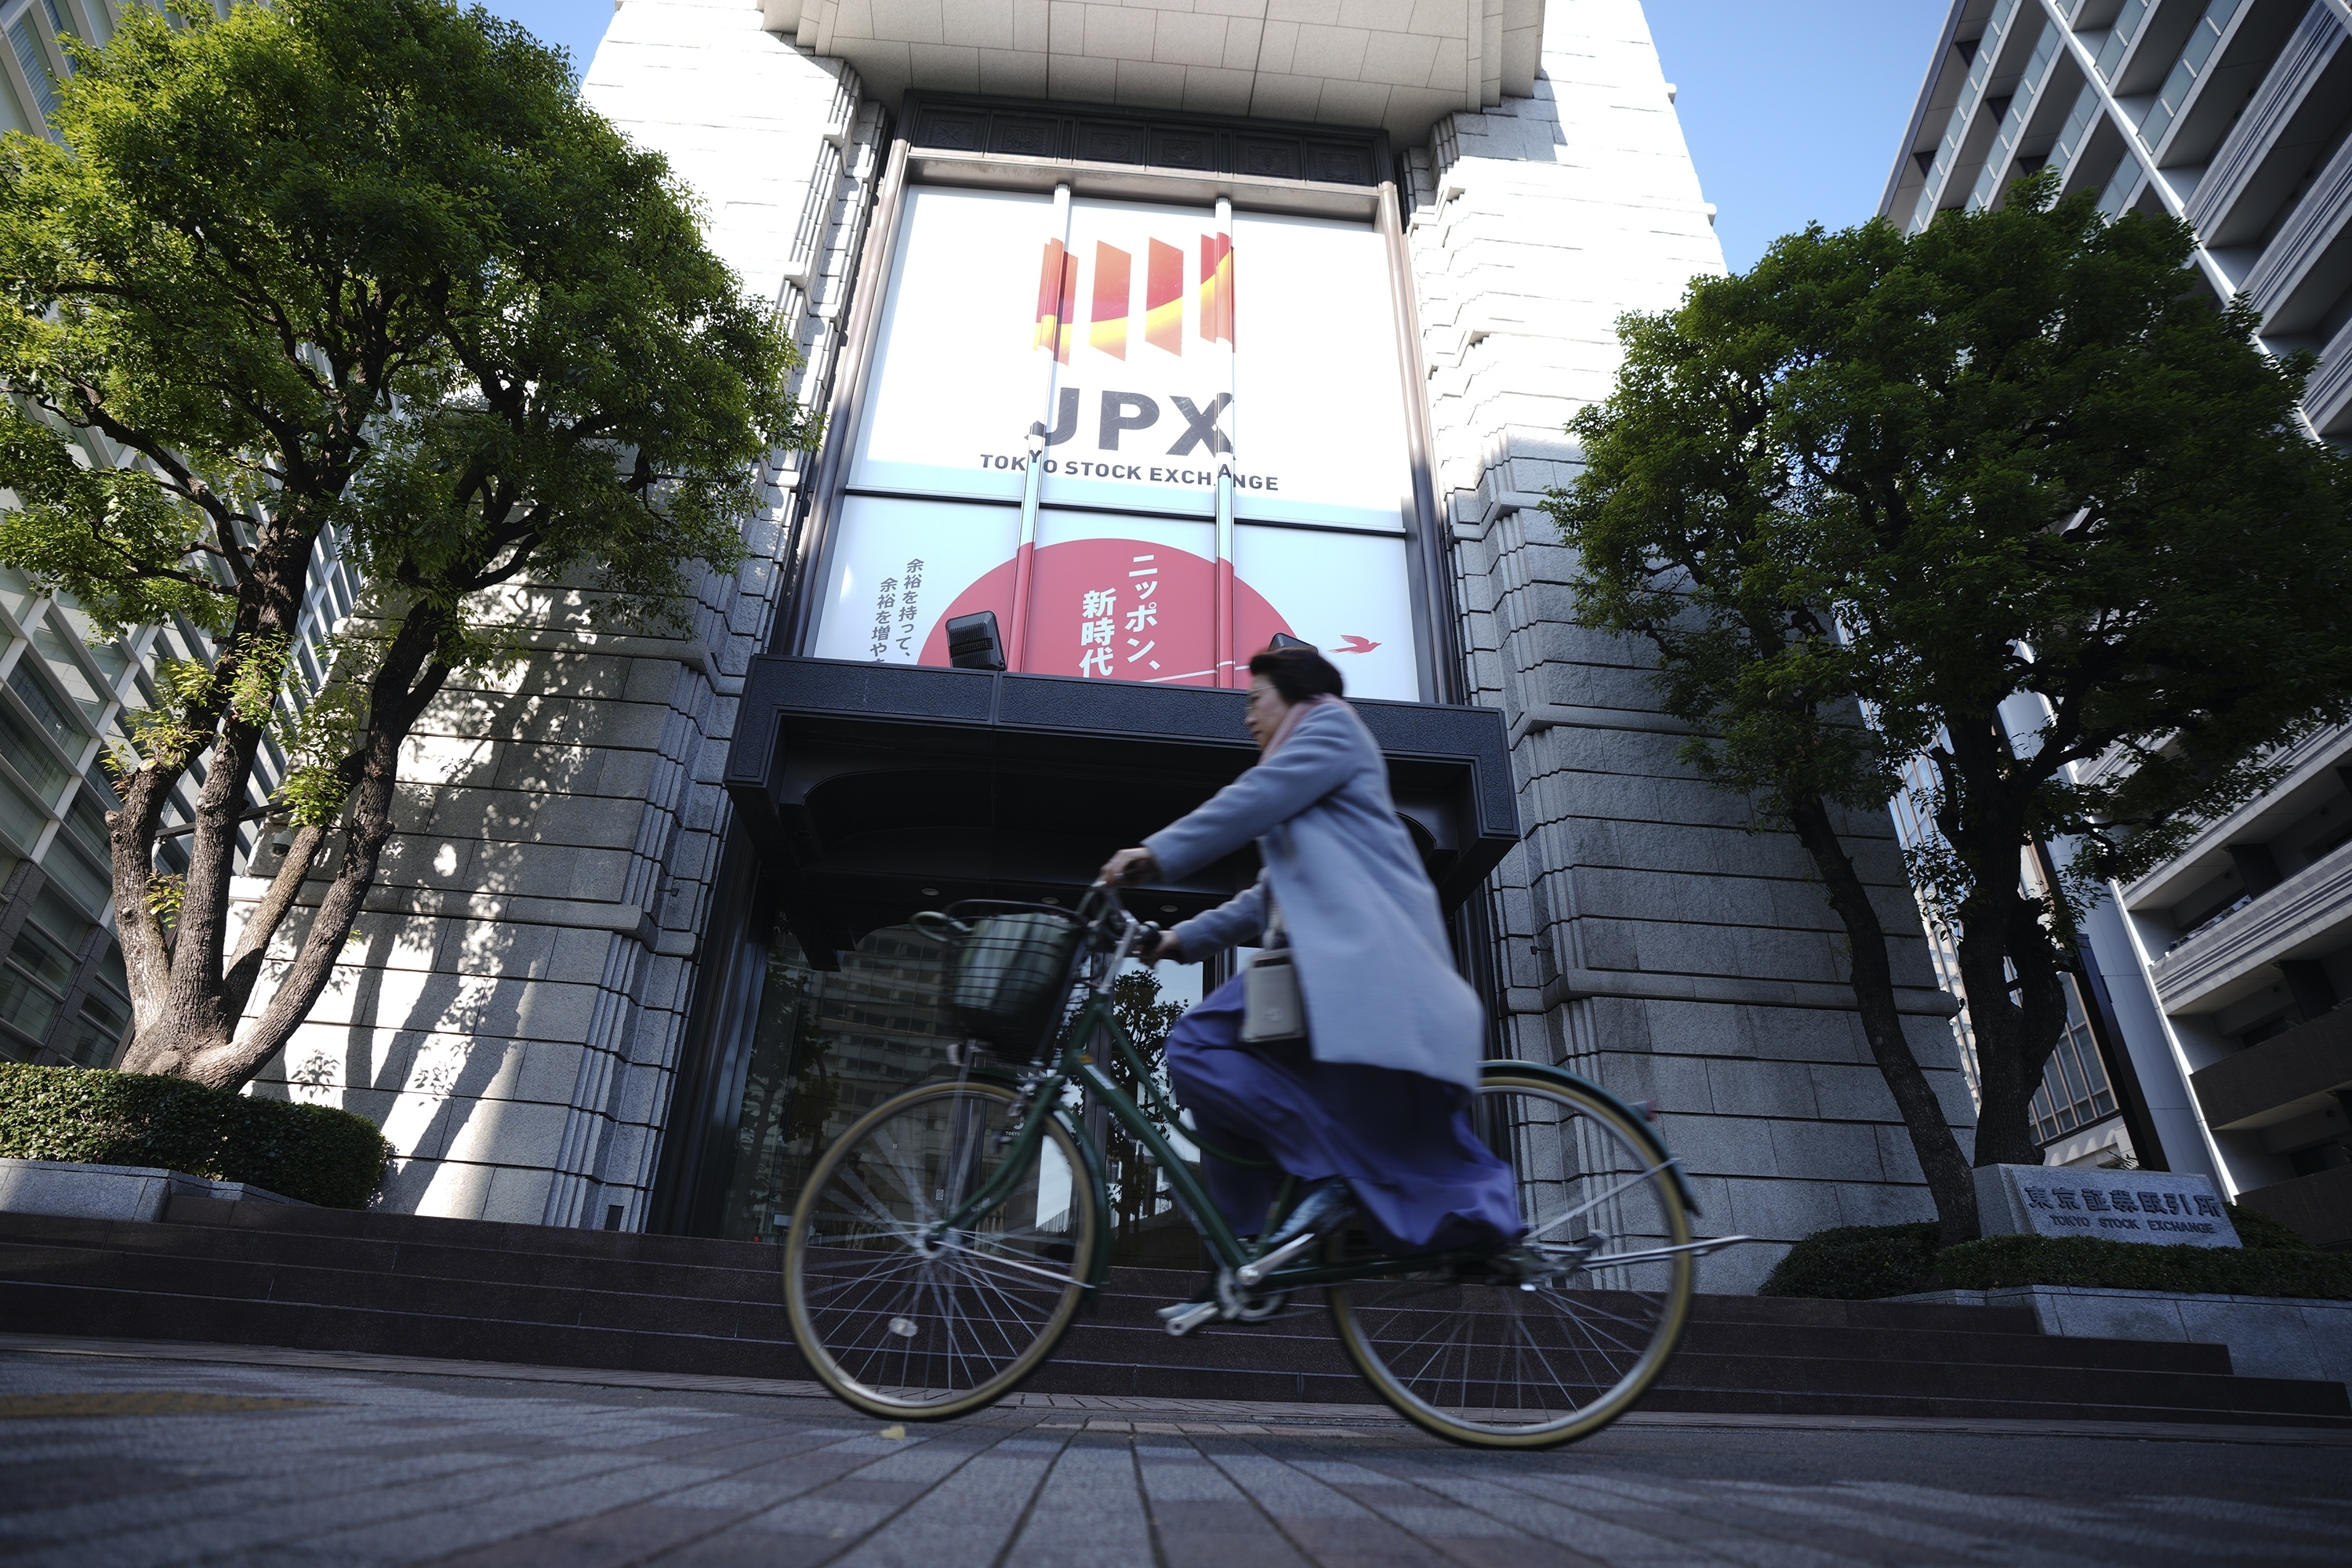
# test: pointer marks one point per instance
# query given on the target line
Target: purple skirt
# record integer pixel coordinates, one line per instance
(1421, 1177)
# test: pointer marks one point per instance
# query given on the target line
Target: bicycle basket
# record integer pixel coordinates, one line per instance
(1008, 968)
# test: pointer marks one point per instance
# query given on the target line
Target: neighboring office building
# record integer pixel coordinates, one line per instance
(2218, 973)
(640, 939)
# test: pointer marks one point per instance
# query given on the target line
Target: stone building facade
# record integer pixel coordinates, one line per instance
(536, 1001)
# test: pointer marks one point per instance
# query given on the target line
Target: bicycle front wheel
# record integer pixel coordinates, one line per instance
(902, 1320)
(1562, 1335)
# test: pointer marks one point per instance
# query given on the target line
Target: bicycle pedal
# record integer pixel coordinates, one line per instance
(1256, 1271)
(1185, 1316)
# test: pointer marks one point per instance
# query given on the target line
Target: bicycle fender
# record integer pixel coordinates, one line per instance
(1634, 1118)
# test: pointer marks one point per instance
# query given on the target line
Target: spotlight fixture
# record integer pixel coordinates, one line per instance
(973, 642)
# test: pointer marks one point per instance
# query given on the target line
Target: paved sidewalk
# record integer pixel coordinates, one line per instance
(134, 1455)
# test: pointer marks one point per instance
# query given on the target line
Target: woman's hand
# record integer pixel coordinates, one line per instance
(1128, 866)
(1167, 950)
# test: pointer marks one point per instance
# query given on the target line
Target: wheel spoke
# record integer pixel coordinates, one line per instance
(1028, 1268)
(1515, 1353)
(894, 1314)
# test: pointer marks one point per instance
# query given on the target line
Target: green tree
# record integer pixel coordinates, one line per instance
(1133, 1179)
(367, 265)
(2016, 461)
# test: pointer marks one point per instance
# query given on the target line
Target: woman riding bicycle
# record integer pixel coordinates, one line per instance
(1370, 1110)
(948, 1237)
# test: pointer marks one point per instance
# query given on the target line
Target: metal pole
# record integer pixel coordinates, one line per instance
(1227, 672)
(1052, 330)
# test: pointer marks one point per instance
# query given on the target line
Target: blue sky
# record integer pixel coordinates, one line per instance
(1793, 107)
(576, 25)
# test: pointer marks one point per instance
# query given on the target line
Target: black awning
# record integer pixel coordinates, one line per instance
(866, 785)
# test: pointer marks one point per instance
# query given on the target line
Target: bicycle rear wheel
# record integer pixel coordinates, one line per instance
(902, 1323)
(1559, 1338)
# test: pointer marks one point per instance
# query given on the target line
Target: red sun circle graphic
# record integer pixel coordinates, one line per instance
(1119, 609)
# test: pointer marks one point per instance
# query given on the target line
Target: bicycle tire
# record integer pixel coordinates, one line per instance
(900, 1327)
(1453, 1351)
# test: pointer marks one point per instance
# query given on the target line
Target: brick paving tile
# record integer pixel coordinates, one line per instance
(112, 1460)
(1089, 1512)
(1199, 1519)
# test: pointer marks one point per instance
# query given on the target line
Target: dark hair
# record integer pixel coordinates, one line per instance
(1297, 673)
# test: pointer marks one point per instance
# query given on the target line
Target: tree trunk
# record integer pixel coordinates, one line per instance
(179, 989)
(410, 678)
(1950, 1182)
(2005, 951)
(146, 951)
(178, 995)
(2009, 965)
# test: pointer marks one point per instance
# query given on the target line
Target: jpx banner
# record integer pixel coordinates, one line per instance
(1131, 352)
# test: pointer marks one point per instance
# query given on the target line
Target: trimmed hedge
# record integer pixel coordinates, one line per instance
(1857, 1263)
(1863, 1263)
(2264, 1231)
(91, 1116)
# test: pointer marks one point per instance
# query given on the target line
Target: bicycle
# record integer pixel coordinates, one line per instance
(946, 1241)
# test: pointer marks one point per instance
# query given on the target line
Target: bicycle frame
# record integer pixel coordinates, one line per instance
(1043, 1091)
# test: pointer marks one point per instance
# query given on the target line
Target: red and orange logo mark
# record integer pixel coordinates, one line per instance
(1057, 294)
(1163, 297)
(1107, 331)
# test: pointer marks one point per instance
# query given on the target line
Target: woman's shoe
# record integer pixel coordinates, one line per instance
(1321, 1209)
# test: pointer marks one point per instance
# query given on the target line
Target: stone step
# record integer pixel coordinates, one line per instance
(1731, 1325)
(507, 1285)
(412, 1261)
(393, 1284)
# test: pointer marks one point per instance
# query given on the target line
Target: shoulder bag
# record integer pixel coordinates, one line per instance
(1272, 1008)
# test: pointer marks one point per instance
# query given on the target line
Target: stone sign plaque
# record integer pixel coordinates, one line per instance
(2153, 1206)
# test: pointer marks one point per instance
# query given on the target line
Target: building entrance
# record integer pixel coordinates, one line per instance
(829, 1044)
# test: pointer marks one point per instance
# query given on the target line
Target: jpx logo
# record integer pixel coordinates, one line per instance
(1114, 288)
(1109, 331)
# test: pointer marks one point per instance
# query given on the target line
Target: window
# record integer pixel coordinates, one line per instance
(822, 1055)
(35, 760)
(86, 880)
(35, 61)
(46, 710)
(103, 1021)
(86, 820)
(2075, 1089)
(60, 651)
(39, 968)
(2176, 88)
(2111, 53)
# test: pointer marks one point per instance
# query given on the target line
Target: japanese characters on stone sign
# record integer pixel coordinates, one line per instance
(1151, 347)
(2120, 1206)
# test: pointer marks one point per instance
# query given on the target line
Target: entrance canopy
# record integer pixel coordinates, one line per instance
(873, 791)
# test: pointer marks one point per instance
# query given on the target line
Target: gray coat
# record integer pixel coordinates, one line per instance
(1374, 967)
